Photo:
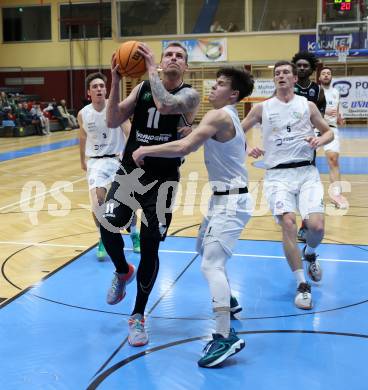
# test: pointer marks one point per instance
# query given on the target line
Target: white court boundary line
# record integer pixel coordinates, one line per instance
(41, 195)
(184, 252)
(273, 257)
(42, 244)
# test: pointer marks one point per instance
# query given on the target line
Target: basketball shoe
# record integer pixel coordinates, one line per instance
(137, 334)
(303, 297)
(220, 348)
(118, 286)
(234, 306)
(314, 268)
(302, 233)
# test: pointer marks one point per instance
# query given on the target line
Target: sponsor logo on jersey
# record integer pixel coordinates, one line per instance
(146, 138)
(147, 96)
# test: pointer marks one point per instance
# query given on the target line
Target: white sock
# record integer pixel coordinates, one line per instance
(213, 267)
(299, 276)
(309, 250)
(133, 229)
(222, 319)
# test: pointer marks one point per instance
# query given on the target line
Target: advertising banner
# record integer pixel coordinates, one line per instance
(204, 50)
(263, 89)
(353, 96)
(307, 42)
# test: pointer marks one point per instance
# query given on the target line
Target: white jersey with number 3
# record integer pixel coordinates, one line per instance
(285, 127)
(101, 140)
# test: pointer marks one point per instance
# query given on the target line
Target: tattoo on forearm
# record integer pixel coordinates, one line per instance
(184, 101)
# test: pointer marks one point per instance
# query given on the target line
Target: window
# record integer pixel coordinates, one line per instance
(275, 15)
(147, 17)
(213, 16)
(26, 24)
(87, 20)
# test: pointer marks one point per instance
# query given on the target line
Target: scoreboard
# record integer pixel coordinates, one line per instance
(342, 5)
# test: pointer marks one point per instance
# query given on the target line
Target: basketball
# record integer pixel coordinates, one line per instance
(131, 63)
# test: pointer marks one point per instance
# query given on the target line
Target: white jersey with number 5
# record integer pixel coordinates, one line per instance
(285, 127)
(101, 140)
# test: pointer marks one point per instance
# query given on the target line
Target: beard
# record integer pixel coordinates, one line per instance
(326, 83)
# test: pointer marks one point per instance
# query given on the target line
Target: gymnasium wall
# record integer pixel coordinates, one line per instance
(63, 63)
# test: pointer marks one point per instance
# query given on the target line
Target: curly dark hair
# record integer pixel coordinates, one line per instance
(241, 80)
(306, 55)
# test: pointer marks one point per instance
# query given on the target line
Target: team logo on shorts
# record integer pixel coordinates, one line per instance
(279, 204)
(312, 92)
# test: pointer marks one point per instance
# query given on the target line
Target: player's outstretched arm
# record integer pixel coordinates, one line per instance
(319, 123)
(117, 113)
(82, 142)
(254, 116)
(213, 122)
(186, 100)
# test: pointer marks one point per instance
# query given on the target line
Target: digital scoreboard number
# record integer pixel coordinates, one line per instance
(342, 5)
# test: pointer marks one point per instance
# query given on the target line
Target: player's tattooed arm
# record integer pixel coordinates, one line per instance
(186, 100)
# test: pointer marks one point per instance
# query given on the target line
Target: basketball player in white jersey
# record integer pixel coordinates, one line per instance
(100, 150)
(230, 205)
(291, 182)
(332, 150)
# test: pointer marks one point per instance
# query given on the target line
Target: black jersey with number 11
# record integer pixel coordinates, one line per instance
(149, 127)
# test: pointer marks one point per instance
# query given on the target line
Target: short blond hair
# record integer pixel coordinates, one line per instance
(177, 44)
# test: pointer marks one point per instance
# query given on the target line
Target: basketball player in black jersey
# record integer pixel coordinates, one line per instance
(306, 64)
(159, 108)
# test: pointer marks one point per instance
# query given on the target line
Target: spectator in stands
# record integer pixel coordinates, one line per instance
(5, 107)
(299, 25)
(274, 25)
(44, 121)
(232, 27)
(284, 25)
(65, 114)
(216, 27)
(53, 113)
(4, 101)
(23, 117)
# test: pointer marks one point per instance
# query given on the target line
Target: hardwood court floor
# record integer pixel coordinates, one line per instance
(45, 217)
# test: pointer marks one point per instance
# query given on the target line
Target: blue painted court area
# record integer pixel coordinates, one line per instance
(348, 165)
(37, 149)
(353, 132)
(61, 334)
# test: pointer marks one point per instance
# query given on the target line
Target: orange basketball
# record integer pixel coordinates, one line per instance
(131, 63)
